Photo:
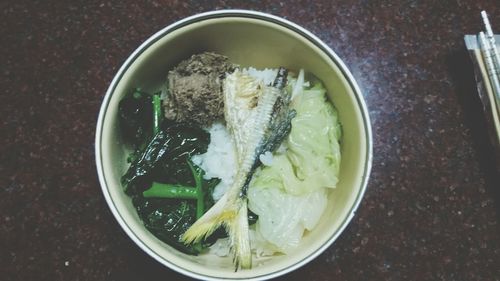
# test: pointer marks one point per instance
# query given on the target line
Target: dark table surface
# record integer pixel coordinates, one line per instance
(432, 208)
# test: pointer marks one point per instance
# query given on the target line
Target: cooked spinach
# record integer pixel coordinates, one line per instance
(165, 157)
(167, 190)
(201, 192)
(136, 118)
(169, 221)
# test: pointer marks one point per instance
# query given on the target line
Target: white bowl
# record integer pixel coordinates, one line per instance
(249, 39)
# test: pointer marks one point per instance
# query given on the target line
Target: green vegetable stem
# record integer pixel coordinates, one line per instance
(173, 191)
(200, 200)
(176, 191)
(157, 112)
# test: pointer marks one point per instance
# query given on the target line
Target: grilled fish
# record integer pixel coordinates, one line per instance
(259, 118)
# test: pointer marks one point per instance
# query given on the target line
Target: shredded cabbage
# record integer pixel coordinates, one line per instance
(290, 195)
(284, 217)
(313, 143)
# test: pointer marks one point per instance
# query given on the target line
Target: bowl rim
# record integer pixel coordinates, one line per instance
(239, 13)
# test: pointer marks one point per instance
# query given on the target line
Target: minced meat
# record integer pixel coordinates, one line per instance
(195, 89)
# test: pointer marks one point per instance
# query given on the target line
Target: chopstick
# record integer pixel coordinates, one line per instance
(491, 38)
(491, 58)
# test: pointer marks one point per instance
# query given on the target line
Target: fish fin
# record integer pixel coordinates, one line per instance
(238, 231)
(216, 216)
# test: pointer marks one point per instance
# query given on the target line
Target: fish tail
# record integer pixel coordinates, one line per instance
(238, 231)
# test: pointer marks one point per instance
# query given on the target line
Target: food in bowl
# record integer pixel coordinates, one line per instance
(259, 40)
(225, 150)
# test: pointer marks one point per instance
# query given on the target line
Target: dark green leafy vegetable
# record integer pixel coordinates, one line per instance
(167, 190)
(136, 118)
(168, 218)
(169, 222)
(176, 191)
(174, 143)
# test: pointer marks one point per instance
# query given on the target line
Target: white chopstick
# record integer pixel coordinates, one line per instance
(491, 58)
(491, 38)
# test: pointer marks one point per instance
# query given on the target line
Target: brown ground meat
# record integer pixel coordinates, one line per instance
(195, 89)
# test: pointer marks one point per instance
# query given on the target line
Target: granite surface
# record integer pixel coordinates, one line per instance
(432, 208)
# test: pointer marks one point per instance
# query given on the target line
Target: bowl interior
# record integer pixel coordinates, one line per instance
(248, 42)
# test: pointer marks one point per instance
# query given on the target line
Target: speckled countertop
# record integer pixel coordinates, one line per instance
(432, 208)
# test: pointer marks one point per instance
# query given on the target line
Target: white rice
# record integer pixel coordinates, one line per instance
(219, 160)
(266, 158)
